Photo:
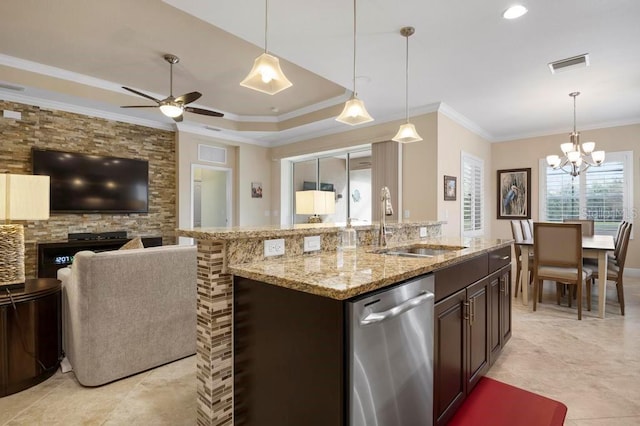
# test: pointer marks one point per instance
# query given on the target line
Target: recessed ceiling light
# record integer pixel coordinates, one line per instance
(514, 12)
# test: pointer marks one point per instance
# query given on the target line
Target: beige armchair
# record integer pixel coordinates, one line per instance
(557, 252)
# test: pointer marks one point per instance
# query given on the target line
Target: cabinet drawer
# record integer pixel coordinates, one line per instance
(499, 258)
(456, 277)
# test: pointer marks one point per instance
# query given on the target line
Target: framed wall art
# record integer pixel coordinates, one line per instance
(256, 189)
(450, 188)
(514, 194)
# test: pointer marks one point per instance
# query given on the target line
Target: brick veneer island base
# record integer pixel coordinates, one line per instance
(224, 252)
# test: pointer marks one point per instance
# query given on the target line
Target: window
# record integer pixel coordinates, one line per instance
(472, 195)
(603, 193)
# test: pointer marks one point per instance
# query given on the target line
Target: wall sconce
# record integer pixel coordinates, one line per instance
(315, 203)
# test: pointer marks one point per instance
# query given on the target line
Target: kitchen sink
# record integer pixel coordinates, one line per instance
(419, 250)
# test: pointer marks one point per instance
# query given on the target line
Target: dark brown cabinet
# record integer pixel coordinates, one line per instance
(472, 324)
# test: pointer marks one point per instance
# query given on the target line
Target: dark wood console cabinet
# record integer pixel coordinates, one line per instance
(472, 324)
(53, 256)
(30, 334)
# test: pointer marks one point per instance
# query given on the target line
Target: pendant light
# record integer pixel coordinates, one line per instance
(266, 76)
(354, 112)
(407, 132)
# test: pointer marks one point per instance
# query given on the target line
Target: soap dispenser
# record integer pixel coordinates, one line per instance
(349, 236)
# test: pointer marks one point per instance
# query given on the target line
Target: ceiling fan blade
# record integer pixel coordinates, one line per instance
(203, 111)
(144, 95)
(177, 119)
(187, 98)
(139, 106)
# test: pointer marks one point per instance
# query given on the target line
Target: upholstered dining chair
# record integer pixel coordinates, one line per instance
(527, 229)
(557, 252)
(615, 269)
(588, 226)
(516, 232)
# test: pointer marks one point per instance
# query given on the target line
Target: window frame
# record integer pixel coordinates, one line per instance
(465, 156)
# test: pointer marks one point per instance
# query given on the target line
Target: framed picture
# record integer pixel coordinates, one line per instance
(514, 194)
(450, 188)
(256, 189)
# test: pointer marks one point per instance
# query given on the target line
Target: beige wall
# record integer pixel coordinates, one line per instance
(453, 139)
(187, 156)
(528, 152)
(254, 165)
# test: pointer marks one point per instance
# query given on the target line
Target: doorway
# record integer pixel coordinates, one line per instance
(211, 195)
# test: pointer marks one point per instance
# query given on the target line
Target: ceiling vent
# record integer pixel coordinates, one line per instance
(580, 61)
(212, 154)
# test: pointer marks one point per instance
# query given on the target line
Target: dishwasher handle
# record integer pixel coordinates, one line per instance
(376, 317)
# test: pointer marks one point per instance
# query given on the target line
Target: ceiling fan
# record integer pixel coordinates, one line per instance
(170, 106)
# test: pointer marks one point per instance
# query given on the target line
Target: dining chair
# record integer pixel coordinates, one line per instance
(516, 232)
(615, 270)
(557, 252)
(527, 230)
(588, 226)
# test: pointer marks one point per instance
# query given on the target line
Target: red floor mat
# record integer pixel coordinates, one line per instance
(493, 403)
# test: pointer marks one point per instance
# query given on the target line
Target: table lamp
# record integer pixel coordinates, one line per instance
(22, 197)
(315, 203)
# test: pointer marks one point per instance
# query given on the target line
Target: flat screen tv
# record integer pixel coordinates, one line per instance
(82, 183)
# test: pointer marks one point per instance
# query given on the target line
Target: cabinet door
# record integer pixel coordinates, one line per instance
(505, 308)
(449, 356)
(478, 332)
(496, 301)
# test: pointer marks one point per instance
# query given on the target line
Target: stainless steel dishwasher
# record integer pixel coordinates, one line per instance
(391, 356)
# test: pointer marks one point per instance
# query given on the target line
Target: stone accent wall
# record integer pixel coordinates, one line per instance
(63, 131)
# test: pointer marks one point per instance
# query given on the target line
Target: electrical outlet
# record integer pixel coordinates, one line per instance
(407, 214)
(274, 247)
(312, 243)
(423, 232)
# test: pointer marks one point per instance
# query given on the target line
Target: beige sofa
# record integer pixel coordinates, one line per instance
(126, 311)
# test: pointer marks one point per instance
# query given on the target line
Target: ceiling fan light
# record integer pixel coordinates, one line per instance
(266, 76)
(354, 113)
(406, 134)
(172, 110)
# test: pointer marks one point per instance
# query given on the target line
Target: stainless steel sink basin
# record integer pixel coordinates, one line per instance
(419, 250)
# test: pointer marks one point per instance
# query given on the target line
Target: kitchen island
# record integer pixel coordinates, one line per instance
(329, 273)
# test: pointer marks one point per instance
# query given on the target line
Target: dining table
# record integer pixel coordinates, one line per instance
(594, 246)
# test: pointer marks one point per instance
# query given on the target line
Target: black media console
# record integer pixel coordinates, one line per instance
(53, 256)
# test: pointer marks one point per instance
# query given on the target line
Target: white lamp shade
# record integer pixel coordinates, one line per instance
(573, 156)
(588, 147)
(266, 76)
(566, 147)
(407, 134)
(354, 113)
(315, 202)
(24, 197)
(172, 110)
(598, 156)
(553, 161)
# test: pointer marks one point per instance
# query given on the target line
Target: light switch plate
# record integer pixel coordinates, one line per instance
(423, 232)
(274, 247)
(312, 243)
(407, 214)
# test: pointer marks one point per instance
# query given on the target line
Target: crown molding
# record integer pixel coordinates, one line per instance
(222, 135)
(465, 122)
(92, 112)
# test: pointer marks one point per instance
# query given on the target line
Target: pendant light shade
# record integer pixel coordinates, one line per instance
(266, 76)
(407, 132)
(354, 112)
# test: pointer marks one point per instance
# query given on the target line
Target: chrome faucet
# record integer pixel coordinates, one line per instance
(386, 209)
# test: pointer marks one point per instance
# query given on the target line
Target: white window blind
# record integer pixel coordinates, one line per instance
(604, 194)
(472, 195)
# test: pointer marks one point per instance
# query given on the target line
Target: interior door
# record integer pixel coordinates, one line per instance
(211, 188)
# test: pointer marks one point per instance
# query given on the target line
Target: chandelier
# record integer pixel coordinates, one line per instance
(577, 158)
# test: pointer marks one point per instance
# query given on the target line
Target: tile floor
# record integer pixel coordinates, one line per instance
(593, 366)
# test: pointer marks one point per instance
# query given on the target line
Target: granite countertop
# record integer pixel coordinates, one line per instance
(343, 274)
(236, 232)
